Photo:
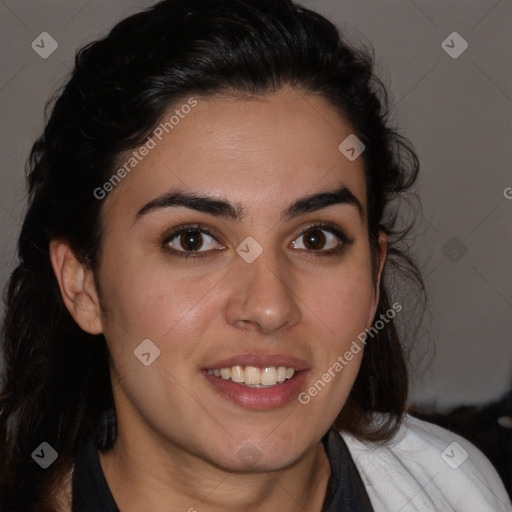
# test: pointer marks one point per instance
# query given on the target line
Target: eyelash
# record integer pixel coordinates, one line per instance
(323, 226)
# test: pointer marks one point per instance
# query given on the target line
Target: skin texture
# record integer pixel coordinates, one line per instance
(179, 441)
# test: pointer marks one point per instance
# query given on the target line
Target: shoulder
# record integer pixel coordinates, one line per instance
(427, 468)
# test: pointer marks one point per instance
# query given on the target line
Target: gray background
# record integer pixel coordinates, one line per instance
(457, 113)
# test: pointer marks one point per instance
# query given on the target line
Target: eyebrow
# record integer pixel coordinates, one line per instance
(220, 208)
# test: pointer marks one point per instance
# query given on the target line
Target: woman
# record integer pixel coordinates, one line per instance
(201, 319)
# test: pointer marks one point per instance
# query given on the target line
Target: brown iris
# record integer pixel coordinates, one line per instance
(191, 240)
(314, 239)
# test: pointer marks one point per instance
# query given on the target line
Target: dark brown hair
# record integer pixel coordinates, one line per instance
(56, 386)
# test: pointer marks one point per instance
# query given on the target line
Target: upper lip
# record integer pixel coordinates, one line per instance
(260, 361)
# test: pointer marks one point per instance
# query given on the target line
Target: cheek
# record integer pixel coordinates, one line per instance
(152, 302)
(343, 312)
(150, 299)
(346, 301)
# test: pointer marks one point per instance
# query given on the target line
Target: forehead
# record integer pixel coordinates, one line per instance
(261, 153)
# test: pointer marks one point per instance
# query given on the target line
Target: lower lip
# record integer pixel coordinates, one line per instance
(258, 398)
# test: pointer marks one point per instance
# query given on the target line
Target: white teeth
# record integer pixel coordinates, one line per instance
(252, 375)
(269, 376)
(255, 377)
(237, 374)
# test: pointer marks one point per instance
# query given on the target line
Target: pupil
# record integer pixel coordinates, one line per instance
(191, 241)
(315, 239)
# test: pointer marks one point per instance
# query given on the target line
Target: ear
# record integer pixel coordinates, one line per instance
(381, 259)
(77, 287)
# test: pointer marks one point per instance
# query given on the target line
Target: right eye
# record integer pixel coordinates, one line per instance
(187, 240)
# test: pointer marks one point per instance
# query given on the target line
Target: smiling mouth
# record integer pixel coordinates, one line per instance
(254, 377)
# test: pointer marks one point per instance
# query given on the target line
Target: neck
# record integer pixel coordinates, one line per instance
(142, 478)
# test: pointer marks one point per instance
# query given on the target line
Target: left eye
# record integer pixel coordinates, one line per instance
(316, 239)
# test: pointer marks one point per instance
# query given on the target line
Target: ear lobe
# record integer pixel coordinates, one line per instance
(381, 260)
(383, 249)
(77, 287)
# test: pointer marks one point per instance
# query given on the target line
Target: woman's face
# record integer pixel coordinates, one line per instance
(270, 275)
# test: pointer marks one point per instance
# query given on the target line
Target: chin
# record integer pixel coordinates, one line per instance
(262, 456)
(252, 461)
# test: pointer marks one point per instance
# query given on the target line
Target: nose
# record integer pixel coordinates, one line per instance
(262, 296)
